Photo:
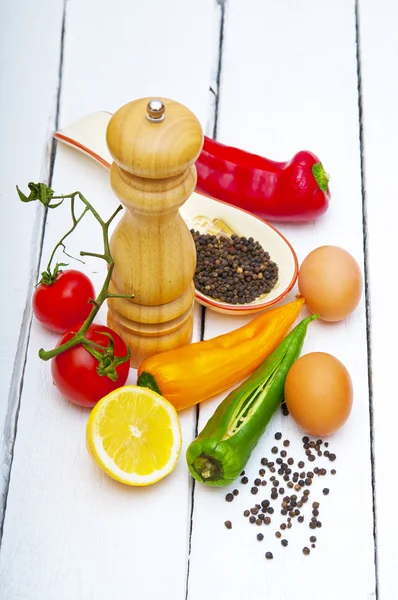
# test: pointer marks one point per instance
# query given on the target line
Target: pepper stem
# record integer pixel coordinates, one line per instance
(208, 468)
(321, 177)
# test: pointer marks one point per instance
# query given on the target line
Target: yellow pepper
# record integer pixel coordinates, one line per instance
(195, 372)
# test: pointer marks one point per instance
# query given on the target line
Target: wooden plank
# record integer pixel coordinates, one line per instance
(80, 535)
(289, 82)
(27, 117)
(378, 51)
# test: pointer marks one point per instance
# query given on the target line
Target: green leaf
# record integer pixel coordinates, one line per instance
(38, 191)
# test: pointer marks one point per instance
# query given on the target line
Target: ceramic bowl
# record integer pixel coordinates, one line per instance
(204, 214)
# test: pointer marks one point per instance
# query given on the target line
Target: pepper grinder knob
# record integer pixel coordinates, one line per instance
(155, 111)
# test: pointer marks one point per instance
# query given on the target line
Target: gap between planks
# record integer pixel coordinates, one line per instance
(211, 130)
(367, 288)
(16, 387)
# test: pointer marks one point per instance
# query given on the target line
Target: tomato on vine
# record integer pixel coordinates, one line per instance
(86, 373)
(90, 360)
(63, 299)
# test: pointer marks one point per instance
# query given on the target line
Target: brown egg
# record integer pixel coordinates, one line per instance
(318, 393)
(330, 280)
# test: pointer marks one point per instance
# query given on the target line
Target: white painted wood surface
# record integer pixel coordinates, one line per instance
(288, 82)
(28, 102)
(297, 90)
(74, 511)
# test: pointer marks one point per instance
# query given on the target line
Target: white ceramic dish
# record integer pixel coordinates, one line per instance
(88, 136)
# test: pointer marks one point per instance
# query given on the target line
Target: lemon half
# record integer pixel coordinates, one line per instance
(134, 435)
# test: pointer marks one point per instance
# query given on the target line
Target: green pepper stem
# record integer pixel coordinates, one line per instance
(321, 177)
(207, 467)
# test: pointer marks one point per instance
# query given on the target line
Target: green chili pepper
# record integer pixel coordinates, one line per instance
(220, 452)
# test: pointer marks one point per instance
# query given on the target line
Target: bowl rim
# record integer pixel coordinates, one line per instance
(206, 300)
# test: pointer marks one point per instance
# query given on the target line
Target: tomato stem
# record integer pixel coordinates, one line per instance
(107, 362)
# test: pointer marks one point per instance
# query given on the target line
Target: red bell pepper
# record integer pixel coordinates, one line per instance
(297, 190)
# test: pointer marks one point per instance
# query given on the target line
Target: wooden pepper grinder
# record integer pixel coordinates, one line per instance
(154, 144)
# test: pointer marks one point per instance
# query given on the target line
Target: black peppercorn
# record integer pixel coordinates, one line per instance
(325, 491)
(229, 497)
(254, 490)
(260, 537)
(228, 524)
(306, 550)
(269, 555)
(284, 543)
(278, 435)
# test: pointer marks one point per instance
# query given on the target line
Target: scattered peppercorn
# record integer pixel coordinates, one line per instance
(333, 471)
(325, 491)
(228, 524)
(269, 555)
(278, 435)
(278, 534)
(306, 550)
(300, 464)
(261, 472)
(332, 457)
(235, 492)
(260, 537)
(313, 539)
(252, 519)
(285, 410)
(257, 481)
(274, 450)
(241, 475)
(284, 543)
(229, 497)
(244, 480)
(246, 513)
(267, 520)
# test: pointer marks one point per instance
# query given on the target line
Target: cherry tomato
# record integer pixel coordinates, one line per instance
(74, 371)
(64, 303)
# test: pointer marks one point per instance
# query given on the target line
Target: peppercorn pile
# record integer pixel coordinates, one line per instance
(235, 270)
(295, 507)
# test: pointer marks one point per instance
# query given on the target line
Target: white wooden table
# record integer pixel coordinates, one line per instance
(272, 78)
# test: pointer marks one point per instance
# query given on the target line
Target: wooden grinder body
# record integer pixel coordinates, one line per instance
(153, 173)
